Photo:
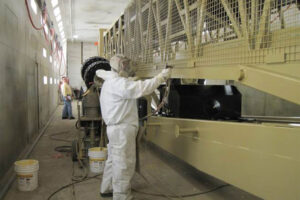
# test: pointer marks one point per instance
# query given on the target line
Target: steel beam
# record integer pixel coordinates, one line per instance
(262, 159)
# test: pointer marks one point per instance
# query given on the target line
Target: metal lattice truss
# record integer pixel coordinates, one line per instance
(196, 36)
(213, 31)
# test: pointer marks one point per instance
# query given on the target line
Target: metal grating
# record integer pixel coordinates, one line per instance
(214, 32)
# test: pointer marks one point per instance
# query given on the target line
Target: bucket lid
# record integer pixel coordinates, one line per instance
(98, 149)
(28, 162)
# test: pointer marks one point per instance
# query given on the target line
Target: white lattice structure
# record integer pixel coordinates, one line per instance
(215, 32)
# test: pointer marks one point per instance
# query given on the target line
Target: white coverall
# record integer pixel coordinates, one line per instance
(119, 111)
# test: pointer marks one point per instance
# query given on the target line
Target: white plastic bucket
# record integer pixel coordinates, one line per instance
(97, 157)
(27, 174)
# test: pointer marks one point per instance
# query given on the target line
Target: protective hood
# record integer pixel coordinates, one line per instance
(105, 75)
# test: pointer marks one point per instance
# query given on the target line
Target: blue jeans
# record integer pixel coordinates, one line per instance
(67, 110)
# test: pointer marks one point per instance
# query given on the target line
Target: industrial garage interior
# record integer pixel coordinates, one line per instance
(225, 125)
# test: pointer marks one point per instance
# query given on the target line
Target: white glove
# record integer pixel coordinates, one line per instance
(165, 74)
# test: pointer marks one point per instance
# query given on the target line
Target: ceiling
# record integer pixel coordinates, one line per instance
(83, 18)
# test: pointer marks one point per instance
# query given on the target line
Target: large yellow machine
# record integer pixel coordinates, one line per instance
(252, 42)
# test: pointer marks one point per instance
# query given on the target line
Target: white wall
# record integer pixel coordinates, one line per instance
(74, 60)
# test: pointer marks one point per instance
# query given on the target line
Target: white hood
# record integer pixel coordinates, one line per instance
(105, 75)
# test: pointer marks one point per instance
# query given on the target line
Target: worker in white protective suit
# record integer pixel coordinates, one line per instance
(119, 111)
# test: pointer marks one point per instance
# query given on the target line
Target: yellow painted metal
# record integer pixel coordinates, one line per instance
(256, 43)
(227, 40)
(279, 80)
(262, 159)
(101, 42)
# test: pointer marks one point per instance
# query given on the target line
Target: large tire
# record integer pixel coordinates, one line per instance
(90, 71)
(89, 61)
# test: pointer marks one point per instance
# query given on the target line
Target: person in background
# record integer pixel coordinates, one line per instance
(66, 92)
(119, 111)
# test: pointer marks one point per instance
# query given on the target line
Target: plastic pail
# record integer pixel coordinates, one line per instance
(27, 174)
(97, 156)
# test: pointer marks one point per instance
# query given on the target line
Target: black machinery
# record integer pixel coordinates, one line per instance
(198, 101)
(89, 120)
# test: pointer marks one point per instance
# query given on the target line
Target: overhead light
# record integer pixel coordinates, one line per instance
(58, 18)
(45, 80)
(33, 6)
(54, 3)
(56, 11)
(294, 124)
(46, 29)
(75, 36)
(44, 52)
(60, 24)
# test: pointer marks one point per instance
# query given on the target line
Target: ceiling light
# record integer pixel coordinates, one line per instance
(56, 11)
(294, 124)
(54, 3)
(46, 30)
(58, 18)
(75, 36)
(44, 53)
(33, 6)
(45, 80)
(60, 24)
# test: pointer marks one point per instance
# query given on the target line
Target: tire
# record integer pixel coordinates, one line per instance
(91, 71)
(90, 61)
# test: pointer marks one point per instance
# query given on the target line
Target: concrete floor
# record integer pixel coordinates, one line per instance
(165, 175)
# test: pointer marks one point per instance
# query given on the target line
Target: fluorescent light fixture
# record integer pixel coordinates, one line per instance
(294, 124)
(58, 18)
(56, 11)
(33, 6)
(75, 36)
(50, 81)
(54, 3)
(46, 29)
(50, 59)
(60, 24)
(44, 53)
(45, 80)
(61, 29)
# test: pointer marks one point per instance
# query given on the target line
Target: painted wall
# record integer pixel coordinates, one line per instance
(74, 60)
(26, 103)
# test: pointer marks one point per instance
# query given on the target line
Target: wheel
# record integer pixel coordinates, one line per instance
(88, 62)
(74, 150)
(90, 71)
